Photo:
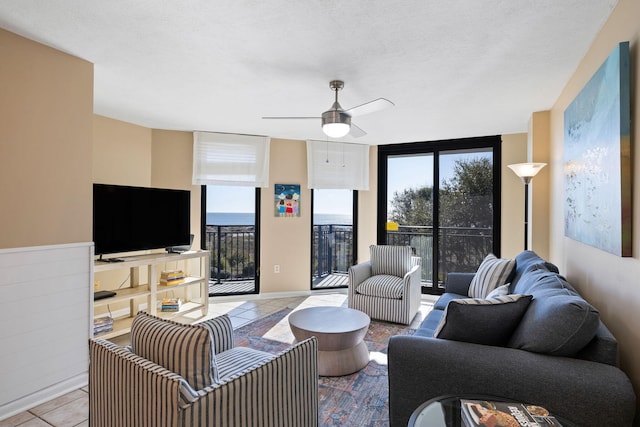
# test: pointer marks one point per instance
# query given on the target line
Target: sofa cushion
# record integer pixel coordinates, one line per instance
(493, 272)
(186, 350)
(392, 260)
(559, 325)
(482, 321)
(383, 286)
(239, 360)
(527, 261)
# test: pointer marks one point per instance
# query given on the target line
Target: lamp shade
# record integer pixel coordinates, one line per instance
(335, 130)
(526, 171)
(336, 123)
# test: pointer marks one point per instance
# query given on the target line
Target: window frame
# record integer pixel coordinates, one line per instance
(435, 148)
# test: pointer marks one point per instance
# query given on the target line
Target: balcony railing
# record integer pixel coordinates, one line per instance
(232, 252)
(461, 249)
(332, 249)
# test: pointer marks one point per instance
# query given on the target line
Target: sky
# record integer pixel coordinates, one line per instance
(241, 199)
(403, 172)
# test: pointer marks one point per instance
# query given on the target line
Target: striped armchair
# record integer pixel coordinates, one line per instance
(387, 287)
(193, 375)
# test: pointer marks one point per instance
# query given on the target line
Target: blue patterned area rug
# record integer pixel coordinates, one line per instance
(360, 399)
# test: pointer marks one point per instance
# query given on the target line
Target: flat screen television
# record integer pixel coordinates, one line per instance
(127, 219)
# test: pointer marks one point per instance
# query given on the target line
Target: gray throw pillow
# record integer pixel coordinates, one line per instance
(482, 321)
(493, 272)
(559, 325)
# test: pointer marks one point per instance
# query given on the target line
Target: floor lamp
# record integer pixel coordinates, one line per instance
(526, 171)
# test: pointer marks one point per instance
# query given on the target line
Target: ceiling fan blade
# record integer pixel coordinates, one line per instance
(370, 107)
(290, 118)
(355, 131)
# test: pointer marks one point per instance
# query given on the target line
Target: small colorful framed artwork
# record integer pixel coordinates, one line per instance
(287, 200)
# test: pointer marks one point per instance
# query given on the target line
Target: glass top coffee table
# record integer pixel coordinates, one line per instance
(340, 332)
(446, 411)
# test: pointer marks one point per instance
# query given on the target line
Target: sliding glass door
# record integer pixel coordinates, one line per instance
(442, 199)
(409, 211)
(466, 209)
(333, 237)
(232, 237)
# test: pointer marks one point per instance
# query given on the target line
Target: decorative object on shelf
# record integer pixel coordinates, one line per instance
(526, 172)
(170, 305)
(287, 200)
(102, 325)
(597, 159)
(172, 278)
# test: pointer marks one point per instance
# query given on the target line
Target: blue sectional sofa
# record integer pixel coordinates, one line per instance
(553, 351)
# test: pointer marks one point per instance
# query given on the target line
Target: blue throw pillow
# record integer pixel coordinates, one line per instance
(559, 325)
(482, 321)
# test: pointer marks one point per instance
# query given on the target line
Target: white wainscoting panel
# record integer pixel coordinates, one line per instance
(45, 312)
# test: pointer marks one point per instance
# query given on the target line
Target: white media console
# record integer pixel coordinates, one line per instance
(136, 282)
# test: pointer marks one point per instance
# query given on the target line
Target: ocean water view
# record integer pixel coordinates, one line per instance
(244, 218)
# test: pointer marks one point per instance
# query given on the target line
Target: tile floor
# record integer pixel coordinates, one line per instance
(71, 409)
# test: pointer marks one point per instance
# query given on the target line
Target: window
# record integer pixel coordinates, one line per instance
(443, 199)
(231, 235)
(333, 237)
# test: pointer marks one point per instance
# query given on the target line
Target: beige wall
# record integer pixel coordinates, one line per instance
(607, 281)
(514, 150)
(121, 153)
(46, 110)
(368, 209)
(128, 154)
(171, 167)
(538, 151)
(286, 241)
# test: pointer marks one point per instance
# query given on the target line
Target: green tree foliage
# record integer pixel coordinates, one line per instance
(466, 200)
(466, 217)
(413, 206)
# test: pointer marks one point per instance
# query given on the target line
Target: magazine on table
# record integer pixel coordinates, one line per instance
(484, 413)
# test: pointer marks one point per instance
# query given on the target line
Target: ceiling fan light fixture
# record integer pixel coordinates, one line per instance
(336, 123)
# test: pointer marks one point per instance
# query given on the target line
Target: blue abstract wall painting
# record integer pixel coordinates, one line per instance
(597, 158)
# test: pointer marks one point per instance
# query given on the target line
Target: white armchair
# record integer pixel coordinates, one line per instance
(387, 287)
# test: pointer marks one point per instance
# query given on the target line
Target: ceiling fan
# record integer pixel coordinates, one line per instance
(336, 121)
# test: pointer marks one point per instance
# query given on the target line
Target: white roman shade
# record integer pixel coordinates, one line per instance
(337, 165)
(229, 159)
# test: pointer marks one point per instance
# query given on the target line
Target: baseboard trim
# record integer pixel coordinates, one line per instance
(32, 400)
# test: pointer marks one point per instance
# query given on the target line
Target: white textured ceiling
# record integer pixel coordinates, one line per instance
(453, 68)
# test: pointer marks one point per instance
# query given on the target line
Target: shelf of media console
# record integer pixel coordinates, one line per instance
(146, 259)
(151, 292)
(122, 325)
(124, 294)
(188, 281)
